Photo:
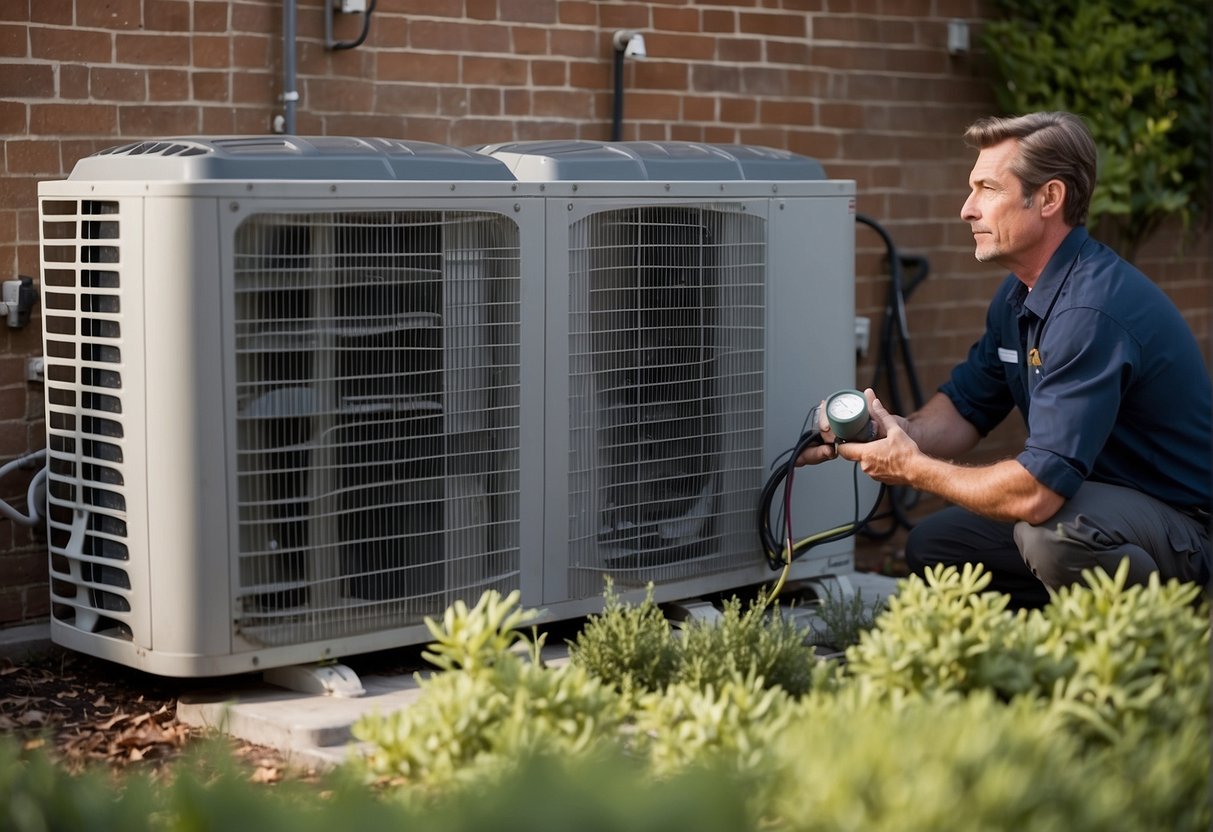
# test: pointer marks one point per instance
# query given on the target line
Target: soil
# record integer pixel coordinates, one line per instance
(87, 713)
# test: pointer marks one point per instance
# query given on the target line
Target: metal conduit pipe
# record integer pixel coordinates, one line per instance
(290, 95)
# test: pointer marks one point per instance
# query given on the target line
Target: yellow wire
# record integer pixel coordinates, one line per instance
(787, 555)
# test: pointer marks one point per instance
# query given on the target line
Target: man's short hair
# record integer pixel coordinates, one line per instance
(1052, 145)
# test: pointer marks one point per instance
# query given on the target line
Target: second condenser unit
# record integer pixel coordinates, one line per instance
(303, 393)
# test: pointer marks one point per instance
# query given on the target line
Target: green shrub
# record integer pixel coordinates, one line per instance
(759, 642)
(946, 635)
(972, 763)
(628, 646)
(844, 619)
(1127, 655)
(732, 724)
(1139, 73)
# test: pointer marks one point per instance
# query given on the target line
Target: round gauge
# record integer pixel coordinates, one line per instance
(847, 413)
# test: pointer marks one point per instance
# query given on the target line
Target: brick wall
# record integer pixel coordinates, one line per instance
(866, 86)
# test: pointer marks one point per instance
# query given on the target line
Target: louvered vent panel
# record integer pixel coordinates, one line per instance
(82, 264)
(666, 371)
(377, 417)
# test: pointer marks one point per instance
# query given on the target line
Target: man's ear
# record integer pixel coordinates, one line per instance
(1052, 198)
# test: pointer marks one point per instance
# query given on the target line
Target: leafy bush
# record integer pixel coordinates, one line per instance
(1138, 72)
(974, 763)
(732, 724)
(629, 647)
(945, 635)
(759, 642)
(490, 708)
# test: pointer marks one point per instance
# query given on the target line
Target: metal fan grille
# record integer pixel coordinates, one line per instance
(377, 418)
(666, 370)
(86, 472)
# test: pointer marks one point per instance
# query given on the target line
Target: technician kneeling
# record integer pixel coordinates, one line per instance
(1101, 364)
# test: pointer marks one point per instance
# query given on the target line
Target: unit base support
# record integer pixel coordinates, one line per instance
(322, 679)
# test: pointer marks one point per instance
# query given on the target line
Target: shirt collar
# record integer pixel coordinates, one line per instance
(1041, 298)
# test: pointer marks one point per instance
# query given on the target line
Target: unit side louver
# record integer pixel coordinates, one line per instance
(86, 495)
(377, 418)
(666, 381)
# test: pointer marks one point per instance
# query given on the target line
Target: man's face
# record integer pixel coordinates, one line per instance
(1003, 226)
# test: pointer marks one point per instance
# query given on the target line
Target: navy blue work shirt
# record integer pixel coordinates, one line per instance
(1106, 372)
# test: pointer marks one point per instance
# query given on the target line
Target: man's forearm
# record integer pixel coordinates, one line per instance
(1002, 491)
(939, 430)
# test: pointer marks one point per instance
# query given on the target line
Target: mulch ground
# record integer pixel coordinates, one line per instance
(87, 713)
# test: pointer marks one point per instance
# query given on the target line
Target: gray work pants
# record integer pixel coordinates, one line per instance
(1101, 525)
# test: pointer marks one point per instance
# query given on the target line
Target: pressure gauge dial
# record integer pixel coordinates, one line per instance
(847, 413)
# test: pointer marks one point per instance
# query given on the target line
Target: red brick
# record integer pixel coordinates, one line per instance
(21, 80)
(719, 21)
(252, 51)
(651, 106)
(427, 8)
(159, 50)
(218, 120)
(528, 11)
(572, 105)
(211, 16)
(117, 84)
(676, 20)
(258, 19)
(594, 75)
(788, 52)
(780, 25)
(739, 50)
(109, 14)
(336, 96)
(578, 13)
(417, 67)
(484, 102)
(211, 86)
(455, 38)
(453, 102)
(73, 119)
(613, 16)
(13, 42)
(259, 88)
(212, 52)
(405, 99)
(71, 45)
(166, 15)
(579, 44)
(39, 156)
(157, 120)
(482, 9)
(549, 73)
(55, 12)
(698, 108)
(529, 40)
(691, 47)
(168, 85)
(505, 72)
(661, 75)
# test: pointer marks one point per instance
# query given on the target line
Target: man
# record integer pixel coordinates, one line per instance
(1101, 365)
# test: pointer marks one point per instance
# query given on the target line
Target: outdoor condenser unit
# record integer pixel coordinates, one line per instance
(303, 393)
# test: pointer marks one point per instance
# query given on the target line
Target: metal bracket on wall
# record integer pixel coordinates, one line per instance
(364, 7)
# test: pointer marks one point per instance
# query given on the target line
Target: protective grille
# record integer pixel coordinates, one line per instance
(377, 418)
(666, 367)
(81, 266)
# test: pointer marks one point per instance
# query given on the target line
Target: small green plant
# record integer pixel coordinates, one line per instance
(629, 646)
(843, 619)
(944, 634)
(490, 707)
(759, 642)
